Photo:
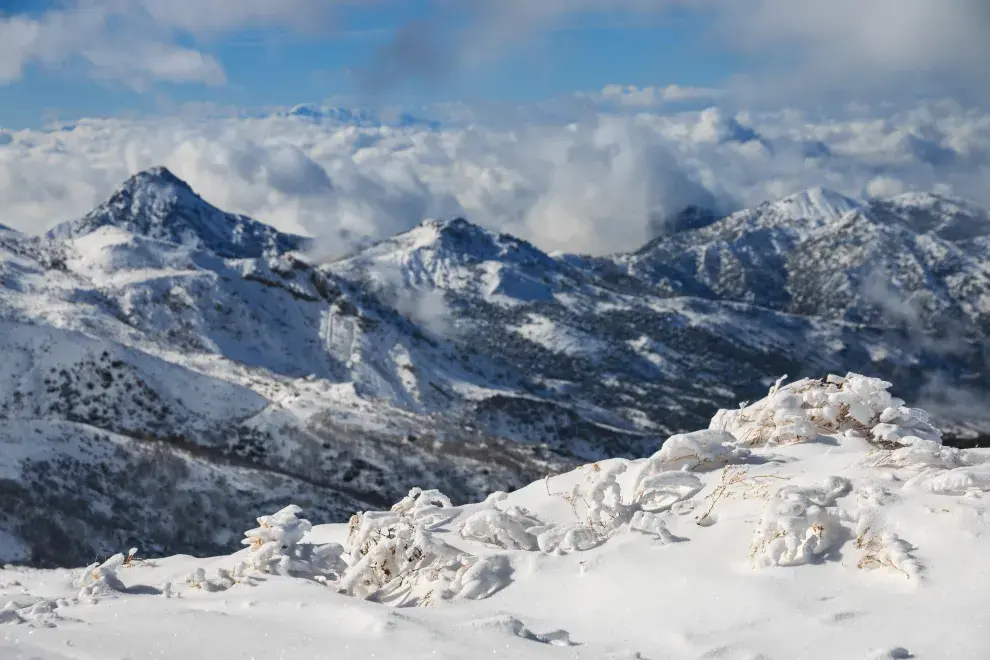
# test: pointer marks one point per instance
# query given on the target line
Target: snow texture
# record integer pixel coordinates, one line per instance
(854, 541)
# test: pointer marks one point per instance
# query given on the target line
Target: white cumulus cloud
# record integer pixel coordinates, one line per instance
(581, 180)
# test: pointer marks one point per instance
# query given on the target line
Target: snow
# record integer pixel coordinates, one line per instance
(450, 356)
(559, 338)
(819, 204)
(821, 537)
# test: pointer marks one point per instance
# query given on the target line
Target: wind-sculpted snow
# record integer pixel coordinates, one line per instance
(852, 540)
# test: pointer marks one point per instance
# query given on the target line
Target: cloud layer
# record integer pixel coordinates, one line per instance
(585, 180)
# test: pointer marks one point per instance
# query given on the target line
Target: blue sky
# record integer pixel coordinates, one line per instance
(279, 66)
(64, 59)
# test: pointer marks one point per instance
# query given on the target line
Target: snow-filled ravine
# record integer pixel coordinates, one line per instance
(824, 521)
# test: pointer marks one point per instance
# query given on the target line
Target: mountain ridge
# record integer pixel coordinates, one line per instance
(449, 354)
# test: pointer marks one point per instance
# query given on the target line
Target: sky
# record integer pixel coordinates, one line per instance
(353, 56)
(63, 59)
(573, 123)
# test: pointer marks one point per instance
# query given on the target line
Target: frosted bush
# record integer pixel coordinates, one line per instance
(920, 455)
(799, 524)
(274, 547)
(597, 503)
(905, 426)
(602, 508)
(386, 549)
(396, 557)
(658, 491)
(574, 537)
(100, 579)
(222, 581)
(701, 449)
(404, 556)
(652, 525)
(511, 528)
(879, 547)
(806, 409)
(428, 508)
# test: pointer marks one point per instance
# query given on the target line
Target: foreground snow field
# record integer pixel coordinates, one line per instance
(825, 521)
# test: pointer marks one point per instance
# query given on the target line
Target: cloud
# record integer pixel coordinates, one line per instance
(426, 306)
(651, 97)
(806, 49)
(884, 47)
(140, 42)
(575, 179)
(211, 17)
(108, 40)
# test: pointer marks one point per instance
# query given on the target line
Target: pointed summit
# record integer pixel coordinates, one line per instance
(156, 176)
(816, 203)
(159, 205)
(465, 241)
(457, 255)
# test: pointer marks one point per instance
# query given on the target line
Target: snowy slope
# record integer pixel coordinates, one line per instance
(448, 355)
(907, 260)
(842, 528)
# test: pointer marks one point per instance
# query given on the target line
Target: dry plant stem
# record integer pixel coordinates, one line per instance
(873, 547)
(736, 476)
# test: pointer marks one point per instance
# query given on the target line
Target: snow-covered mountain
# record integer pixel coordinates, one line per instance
(162, 357)
(158, 205)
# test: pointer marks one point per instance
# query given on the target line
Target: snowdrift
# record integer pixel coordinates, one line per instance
(823, 521)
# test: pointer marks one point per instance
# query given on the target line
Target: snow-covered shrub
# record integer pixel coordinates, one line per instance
(573, 537)
(395, 557)
(99, 579)
(428, 508)
(921, 455)
(602, 508)
(222, 581)
(884, 549)
(511, 528)
(659, 492)
(901, 427)
(274, 547)
(705, 449)
(805, 409)
(798, 524)
(652, 525)
(597, 503)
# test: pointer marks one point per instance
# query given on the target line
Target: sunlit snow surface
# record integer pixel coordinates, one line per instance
(825, 521)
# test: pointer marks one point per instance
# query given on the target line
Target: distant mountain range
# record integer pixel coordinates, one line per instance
(169, 369)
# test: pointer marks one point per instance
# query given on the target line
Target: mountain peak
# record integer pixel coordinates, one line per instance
(158, 175)
(474, 241)
(159, 205)
(817, 203)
